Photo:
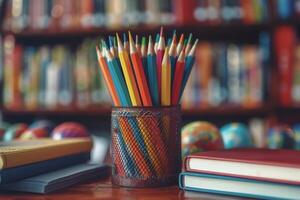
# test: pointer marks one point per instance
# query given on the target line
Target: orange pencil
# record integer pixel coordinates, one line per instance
(137, 45)
(139, 73)
(107, 77)
(178, 76)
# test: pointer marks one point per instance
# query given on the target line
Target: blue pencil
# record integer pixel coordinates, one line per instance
(152, 73)
(190, 59)
(118, 78)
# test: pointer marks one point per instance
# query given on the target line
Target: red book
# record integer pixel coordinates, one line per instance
(185, 12)
(281, 166)
(284, 42)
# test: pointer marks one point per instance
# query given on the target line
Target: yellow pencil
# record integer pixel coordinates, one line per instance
(128, 74)
(166, 79)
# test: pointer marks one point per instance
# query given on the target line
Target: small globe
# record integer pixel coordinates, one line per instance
(44, 124)
(296, 130)
(69, 130)
(280, 137)
(200, 136)
(236, 135)
(34, 133)
(14, 131)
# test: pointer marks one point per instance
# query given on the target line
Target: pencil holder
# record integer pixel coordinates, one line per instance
(146, 150)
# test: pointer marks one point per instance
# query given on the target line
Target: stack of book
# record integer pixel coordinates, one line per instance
(44, 165)
(254, 173)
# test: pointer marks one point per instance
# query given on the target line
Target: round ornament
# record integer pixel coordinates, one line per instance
(200, 136)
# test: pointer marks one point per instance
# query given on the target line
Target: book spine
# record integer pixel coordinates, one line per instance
(284, 40)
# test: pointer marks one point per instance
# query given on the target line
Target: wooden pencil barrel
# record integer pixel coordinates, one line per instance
(146, 147)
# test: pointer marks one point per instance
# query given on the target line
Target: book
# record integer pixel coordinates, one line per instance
(17, 153)
(59, 179)
(33, 169)
(281, 166)
(284, 43)
(226, 185)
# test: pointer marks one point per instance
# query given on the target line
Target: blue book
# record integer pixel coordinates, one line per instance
(17, 173)
(226, 185)
(59, 179)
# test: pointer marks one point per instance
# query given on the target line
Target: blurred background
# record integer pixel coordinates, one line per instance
(247, 63)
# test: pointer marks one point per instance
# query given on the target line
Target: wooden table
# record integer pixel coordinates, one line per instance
(103, 189)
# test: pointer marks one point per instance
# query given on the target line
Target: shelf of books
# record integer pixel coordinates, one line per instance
(235, 73)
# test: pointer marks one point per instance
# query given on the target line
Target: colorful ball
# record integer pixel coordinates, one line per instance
(44, 124)
(280, 137)
(34, 133)
(296, 130)
(69, 130)
(236, 135)
(200, 136)
(14, 131)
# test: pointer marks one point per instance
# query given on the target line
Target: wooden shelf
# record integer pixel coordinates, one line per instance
(106, 111)
(93, 112)
(233, 28)
(230, 110)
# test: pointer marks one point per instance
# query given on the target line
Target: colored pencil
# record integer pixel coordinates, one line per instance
(156, 43)
(139, 74)
(166, 79)
(128, 74)
(118, 78)
(152, 73)
(178, 76)
(190, 59)
(137, 45)
(107, 77)
(159, 57)
(189, 44)
(180, 45)
(112, 48)
(126, 44)
(144, 55)
(172, 54)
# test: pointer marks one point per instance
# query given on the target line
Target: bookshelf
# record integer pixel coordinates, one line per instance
(233, 31)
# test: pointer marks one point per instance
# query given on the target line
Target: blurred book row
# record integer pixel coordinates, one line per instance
(229, 74)
(51, 76)
(224, 73)
(44, 14)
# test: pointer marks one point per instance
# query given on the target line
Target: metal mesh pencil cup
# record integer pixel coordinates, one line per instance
(145, 149)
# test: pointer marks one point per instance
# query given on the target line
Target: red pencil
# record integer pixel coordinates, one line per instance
(139, 73)
(178, 76)
(159, 57)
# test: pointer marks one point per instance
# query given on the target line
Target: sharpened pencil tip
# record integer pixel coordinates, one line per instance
(161, 31)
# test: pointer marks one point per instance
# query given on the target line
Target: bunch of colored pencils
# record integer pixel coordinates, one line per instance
(146, 73)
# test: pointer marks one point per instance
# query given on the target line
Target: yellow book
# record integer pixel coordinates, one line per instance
(166, 79)
(21, 152)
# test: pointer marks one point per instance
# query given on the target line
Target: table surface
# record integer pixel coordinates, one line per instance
(103, 189)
